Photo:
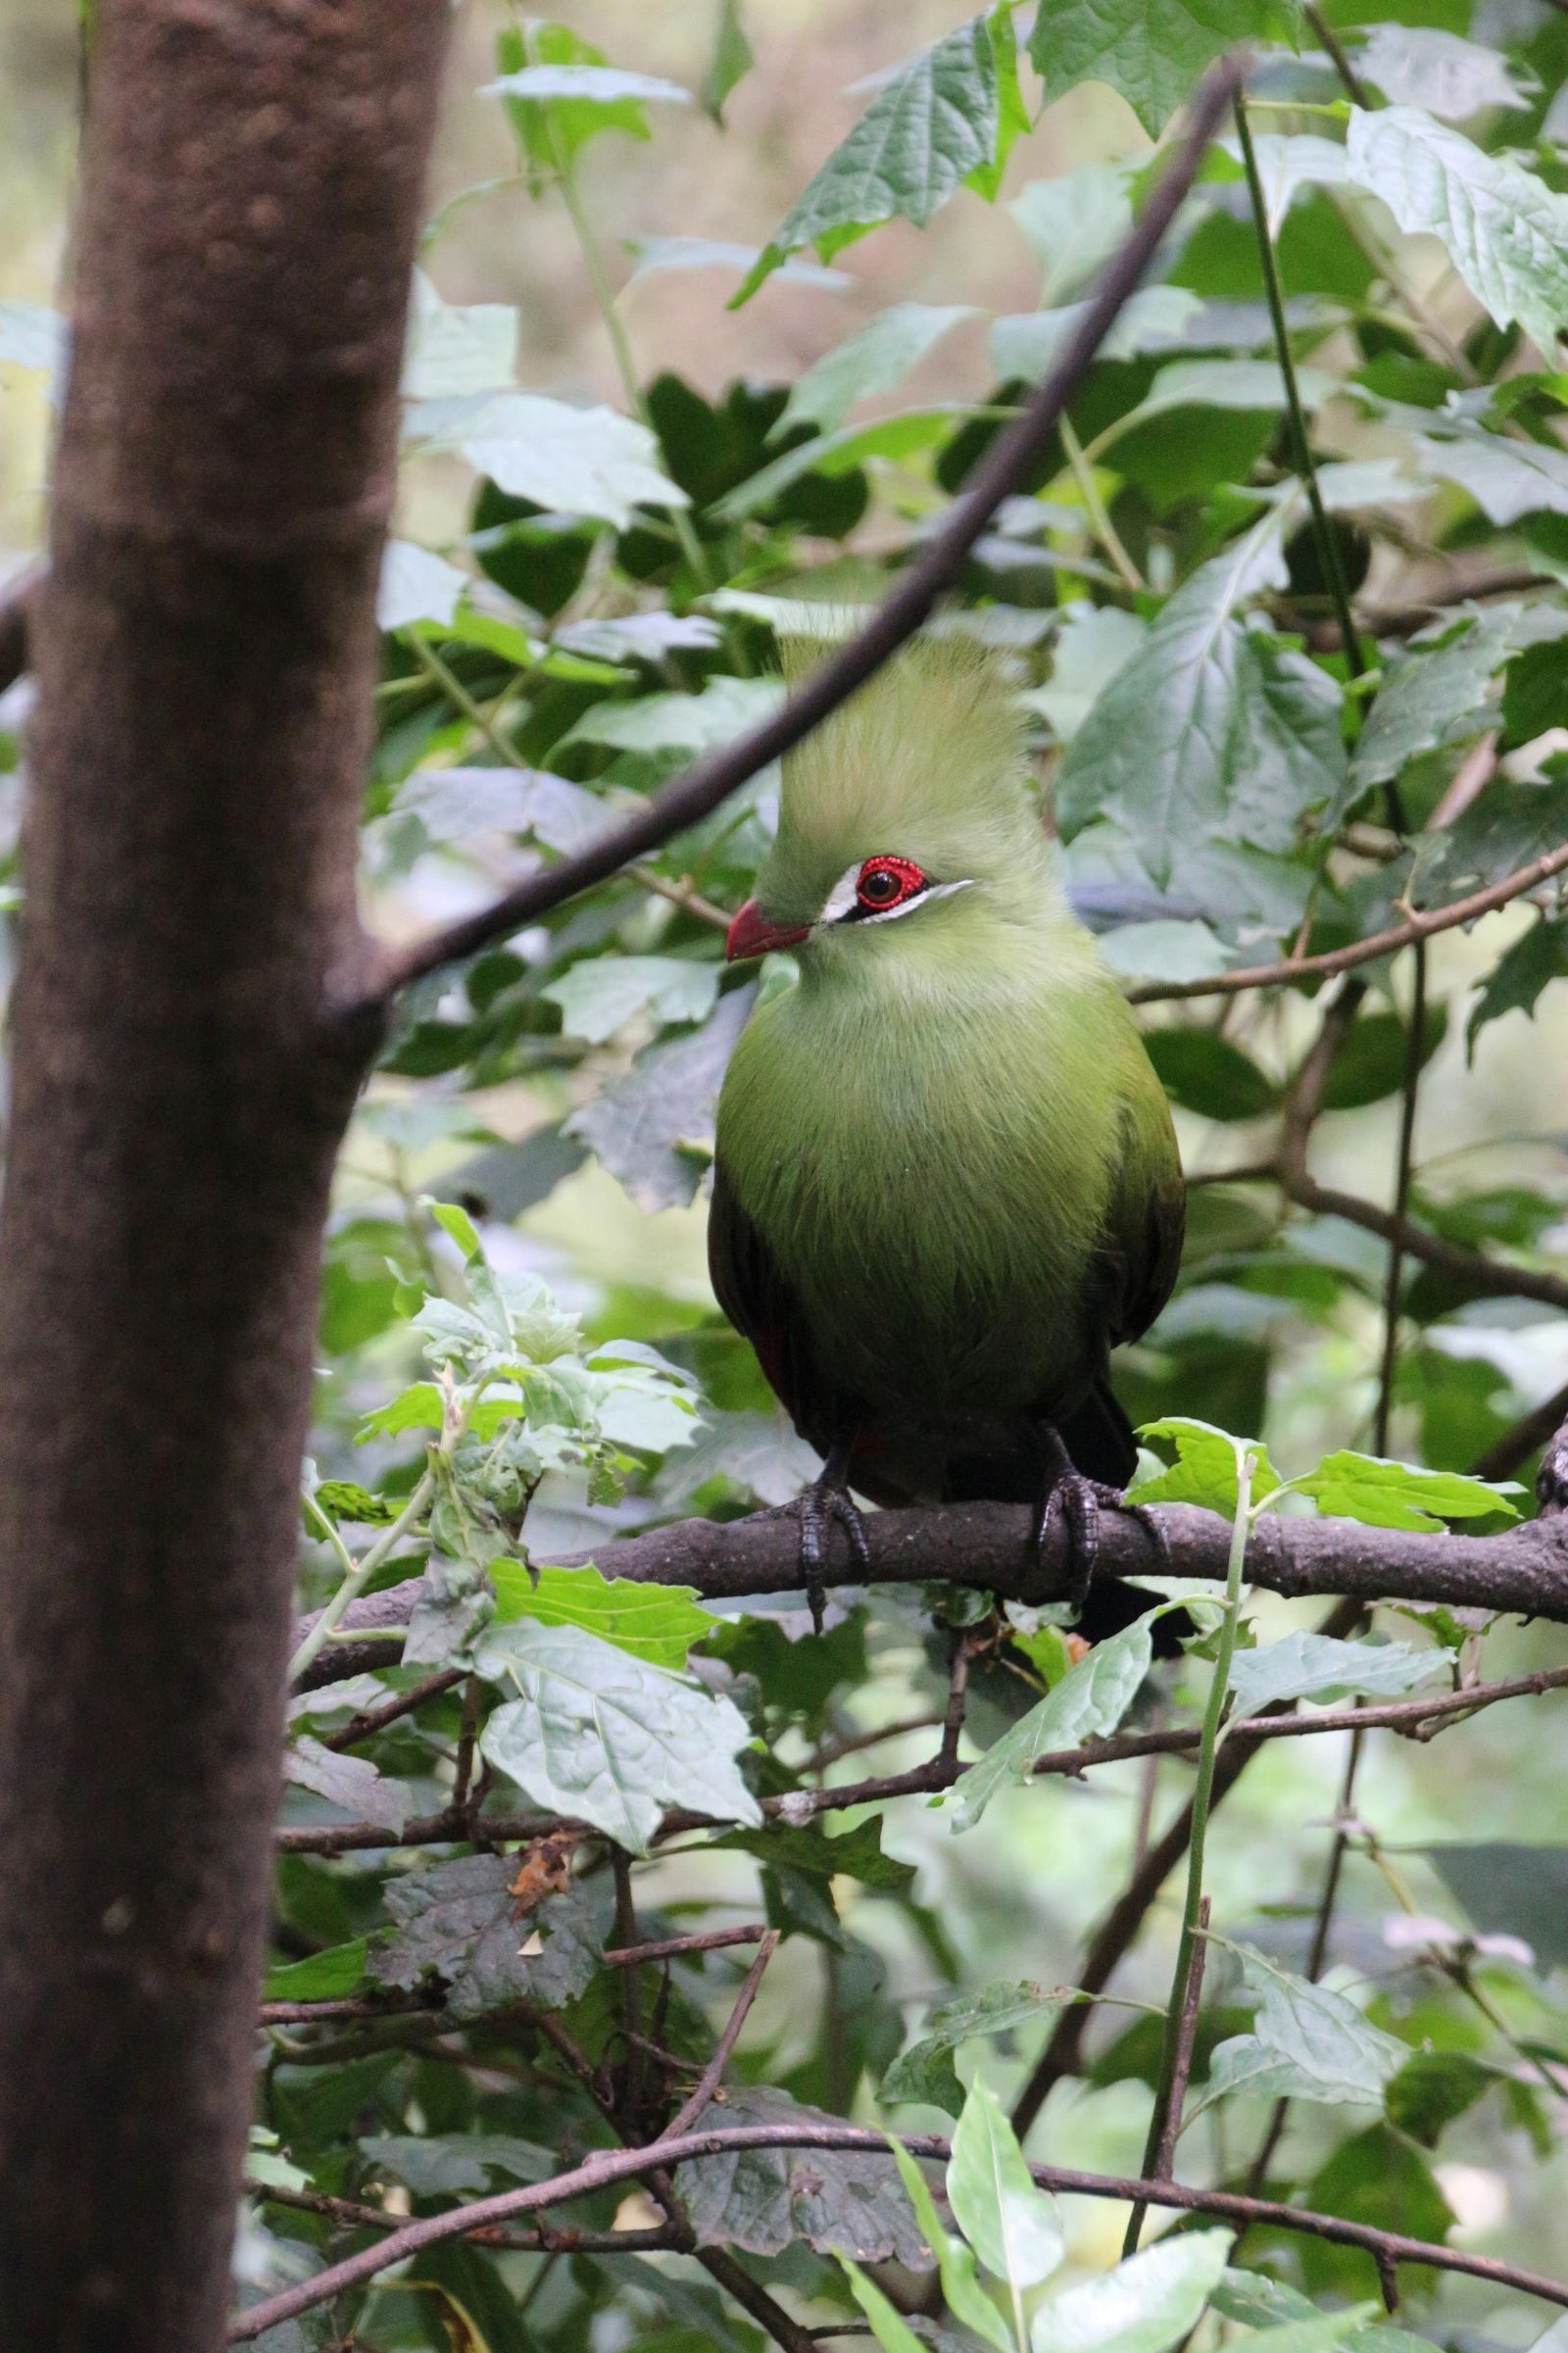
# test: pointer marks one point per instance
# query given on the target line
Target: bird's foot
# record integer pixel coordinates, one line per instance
(827, 1499)
(1551, 1480)
(1077, 1502)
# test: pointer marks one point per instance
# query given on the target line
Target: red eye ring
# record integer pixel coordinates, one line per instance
(884, 883)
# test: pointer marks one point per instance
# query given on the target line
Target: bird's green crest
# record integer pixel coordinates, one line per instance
(924, 761)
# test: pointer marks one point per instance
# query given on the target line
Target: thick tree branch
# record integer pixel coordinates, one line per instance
(988, 1546)
(611, 2166)
(998, 474)
(1421, 925)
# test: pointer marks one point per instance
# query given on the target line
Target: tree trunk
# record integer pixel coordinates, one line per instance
(203, 647)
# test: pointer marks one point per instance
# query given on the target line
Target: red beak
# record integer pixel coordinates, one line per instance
(752, 934)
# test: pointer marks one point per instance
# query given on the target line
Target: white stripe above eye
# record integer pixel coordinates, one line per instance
(843, 900)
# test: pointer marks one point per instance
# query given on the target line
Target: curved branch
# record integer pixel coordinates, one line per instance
(1420, 926)
(989, 1546)
(1386, 2247)
(1000, 472)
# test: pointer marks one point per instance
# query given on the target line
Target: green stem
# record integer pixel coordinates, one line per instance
(1414, 1049)
(1202, 1797)
(1328, 544)
(472, 710)
(1105, 530)
(360, 1572)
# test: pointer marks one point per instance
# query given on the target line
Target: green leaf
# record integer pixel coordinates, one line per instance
(558, 93)
(1433, 2090)
(1314, 1666)
(601, 994)
(902, 436)
(966, 2299)
(325, 1977)
(1210, 730)
(455, 1223)
(729, 62)
(590, 461)
(1306, 2043)
(1507, 479)
(1206, 1469)
(925, 2071)
(840, 2201)
(873, 361)
(1535, 693)
(457, 1926)
(1145, 2305)
(1418, 64)
(1504, 229)
(1225, 385)
(677, 722)
(1399, 1494)
(1013, 2226)
(350, 1782)
(1152, 56)
(1535, 959)
(1288, 165)
(930, 126)
(1031, 342)
(1088, 1703)
(805, 1846)
(415, 585)
(888, 2324)
(1510, 1888)
(1441, 689)
(657, 1623)
(436, 2165)
(342, 1500)
(1373, 1060)
(451, 804)
(1074, 225)
(654, 1128)
(456, 347)
(1381, 2178)
(1206, 1073)
(606, 1737)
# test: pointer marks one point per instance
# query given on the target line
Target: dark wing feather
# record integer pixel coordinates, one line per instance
(1140, 1251)
(763, 1307)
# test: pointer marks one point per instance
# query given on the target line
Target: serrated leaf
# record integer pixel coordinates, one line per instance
(1515, 982)
(1152, 56)
(965, 2298)
(1288, 165)
(1013, 2226)
(453, 804)
(601, 994)
(1504, 229)
(1205, 1471)
(925, 2069)
(1399, 1494)
(458, 1925)
(873, 361)
(930, 126)
(1145, 2305)
(342, 1500)
(1314, 1666)
(1307, 2042)
(679, 722)
(840, 2201)
(805, 1847)
(1443, 692)
(591, 462)
(657, 1623)
(1088, 1703)
(607, 1738)
(1210, 731)
(654, 1128)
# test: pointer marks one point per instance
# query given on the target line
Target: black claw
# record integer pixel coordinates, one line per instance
(1079, 1501)
(827, 1499)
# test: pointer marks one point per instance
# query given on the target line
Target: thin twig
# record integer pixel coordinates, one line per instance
(1526, 1437)
(371, 1720)
(674, 1949)
(1469, 781)
(1185, 2043)
(1005, 464)
(1421, 925)
(751, 2295)
(352, 2216)
(1405, 1165)
(712, 2074)
(608, 2166)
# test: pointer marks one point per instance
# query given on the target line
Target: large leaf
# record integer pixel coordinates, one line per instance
(1013, 2226)
(654, 1128)
(1417, 65)
(1031, 342)
(873, 361)
(687, 724)
(1074, 225)
(1513, 985)
(350, 1782)
(601, 994)
(437, 2165)
(935, 122)
(590, 461)
(1505, 231)
(657, 1623)
(1088, 1703)
(1314, 1666)
(1306, 2043)
(1510, 1889)
(458, 1925)
(456, 347)
(1507, 480)
(415, 585)
(925, 2071)
(840, 2201)
(1145, 2305)
(1399, 1494)
(603, 1735)
(966, 2299)
(1153, 55)
(1209, 729)
(453, 804)
(1441, 692)
(1205, 1471)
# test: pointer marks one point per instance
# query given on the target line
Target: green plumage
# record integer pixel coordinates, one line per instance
(947, 1178)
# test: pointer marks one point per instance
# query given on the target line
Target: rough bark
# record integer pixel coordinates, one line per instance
(204, 649)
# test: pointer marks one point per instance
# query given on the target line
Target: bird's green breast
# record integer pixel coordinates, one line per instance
(928, 1157)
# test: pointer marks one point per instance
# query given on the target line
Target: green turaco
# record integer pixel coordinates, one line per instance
(946, 1183)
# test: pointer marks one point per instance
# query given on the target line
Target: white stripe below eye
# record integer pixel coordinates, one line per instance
(907, 906)
(841, 898)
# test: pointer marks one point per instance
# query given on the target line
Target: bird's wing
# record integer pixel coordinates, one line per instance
(1141, 1245)
(765, 1311)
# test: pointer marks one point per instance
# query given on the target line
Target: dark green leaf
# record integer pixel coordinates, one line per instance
(1514, 984)
(1154, 58)
(840, 2202)
(457, 1926)
(1206, 1073)
(1432, 2089)
(1510, 1889)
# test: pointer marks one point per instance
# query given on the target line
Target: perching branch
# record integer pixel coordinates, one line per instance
(1422, 925)
(1000, 472)
(988, 1546)
(610, 2166)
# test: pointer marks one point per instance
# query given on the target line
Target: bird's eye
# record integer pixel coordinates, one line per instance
(885, 883)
